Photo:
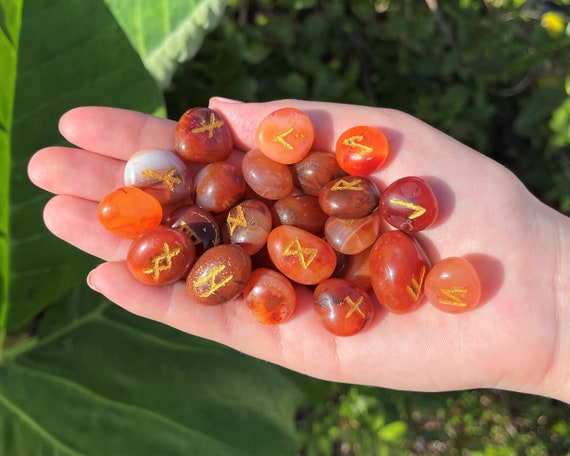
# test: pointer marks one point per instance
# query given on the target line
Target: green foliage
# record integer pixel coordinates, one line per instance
(78, 375)
(488, 73)
(357, 420)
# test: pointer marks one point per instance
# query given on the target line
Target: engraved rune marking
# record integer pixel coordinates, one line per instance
(167, 178)
(190, 232)
(354, 306)
(233, 222)
(347, 185)
(157, 262)
(304, 254)
(455, 296)
(209, 127)
(213, 286)
(356, 141)
(281, 139)
(418, 210)
(415, 288)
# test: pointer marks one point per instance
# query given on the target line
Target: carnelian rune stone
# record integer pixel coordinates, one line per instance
(219, 275)
(342, 306)
(453, 285)
(398, 269)
(129, 211)
(300, 255)
(270, 296)
(160, 255)
(286, 135)
(266, 177)
(349, 197)
(409, 204)
(202, 136)
(361, 150)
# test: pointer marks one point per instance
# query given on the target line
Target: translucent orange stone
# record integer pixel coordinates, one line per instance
(219, 275)
(352, 236)
(315, 171)
(409, 204)
(343, 307)
(301, 256)
(398, 269)
(160, 255)
(453, 285)
(302, 211)
(248, 224)
(266, 177)
(270, 296)
(361, 150)
(358, 269)
(202, 136)
(129, 211)
(349, 197)
(219, 186)
(285, 135)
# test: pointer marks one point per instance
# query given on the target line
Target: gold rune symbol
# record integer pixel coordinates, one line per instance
(167, 178)
(354, 306)
(213, 286)
(454, 295)
(304, 254)
(209, 127)
(190, 232)
(418, 210)
(233, 222)
(356, 141)
(281, 139)
(157, 262)
(414, 290)
(347, 185)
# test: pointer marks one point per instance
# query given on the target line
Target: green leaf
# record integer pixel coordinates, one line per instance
(64, 61)
(10, 21)
(168, 32)
(106, 382)
(393, 432)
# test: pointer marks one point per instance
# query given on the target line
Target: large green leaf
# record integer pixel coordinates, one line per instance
(107, 383)
(71, 53)
(168, 32)
(10, 14)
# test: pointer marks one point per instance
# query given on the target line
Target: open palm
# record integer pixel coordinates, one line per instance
(512, 341)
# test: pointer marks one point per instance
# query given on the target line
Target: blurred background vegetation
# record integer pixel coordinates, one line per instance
(494, 74)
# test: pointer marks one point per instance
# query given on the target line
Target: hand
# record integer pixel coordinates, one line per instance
(516, 339)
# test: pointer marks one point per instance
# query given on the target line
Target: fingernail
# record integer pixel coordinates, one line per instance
(226, 100)
(90, 282)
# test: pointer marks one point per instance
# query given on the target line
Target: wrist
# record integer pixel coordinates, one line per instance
(557, 381)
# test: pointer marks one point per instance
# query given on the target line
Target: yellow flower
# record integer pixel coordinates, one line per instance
(553, 23)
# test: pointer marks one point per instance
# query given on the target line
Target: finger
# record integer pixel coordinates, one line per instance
(75, 221)
(68, 171)
(114, 132)
(415, 147)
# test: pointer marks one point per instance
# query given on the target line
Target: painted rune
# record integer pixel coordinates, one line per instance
(347, 185)
(209, 127)
(454, 295)
(354, 306)
(356, 141)
(168, 178)
(162, 262)
(305, 255)
(414, 290)
(210, 277)
(233, 221)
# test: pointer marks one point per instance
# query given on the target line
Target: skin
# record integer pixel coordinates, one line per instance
(515, 340)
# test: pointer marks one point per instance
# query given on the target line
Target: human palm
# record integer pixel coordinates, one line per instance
(511, 341)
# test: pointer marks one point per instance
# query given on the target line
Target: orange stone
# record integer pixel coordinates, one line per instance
(300, 255)
(285, 135)
(453, 285)
(398, 269)
(361, 150)
(270, 296)
(343, 307)
(129, 211)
